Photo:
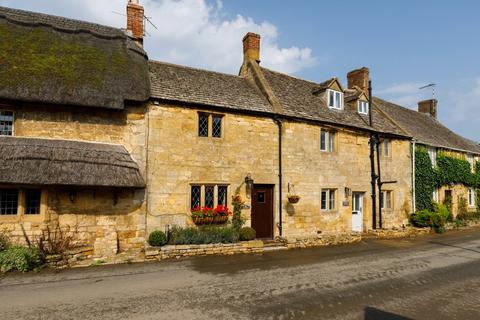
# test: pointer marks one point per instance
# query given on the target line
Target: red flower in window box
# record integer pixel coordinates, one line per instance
(207, 215)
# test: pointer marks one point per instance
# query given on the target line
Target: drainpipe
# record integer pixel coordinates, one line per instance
(278, 121)
(414, 197)
(379, 183)
(372, 159)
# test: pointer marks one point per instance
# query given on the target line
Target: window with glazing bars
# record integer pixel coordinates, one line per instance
(202, 125)
(8, 201)
(32, 201)
(209, 196)
(222, 195)
(196, 194)
(216, 126)
(6, 123)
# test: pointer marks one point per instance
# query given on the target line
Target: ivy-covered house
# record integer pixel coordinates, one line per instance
(100, 140)
(447, 167)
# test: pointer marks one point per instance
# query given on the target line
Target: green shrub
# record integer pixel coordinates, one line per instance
(247, 233)
(203, 235)
(157, 238)
(4, 241)
(20, 258)
(426, 218)
(443, 211)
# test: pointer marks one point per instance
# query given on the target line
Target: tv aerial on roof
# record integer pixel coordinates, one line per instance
(430, 85)
(145, 19)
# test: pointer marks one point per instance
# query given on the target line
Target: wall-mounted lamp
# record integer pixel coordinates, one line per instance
(248, 184)
(115, 198)
(72, 195)
(348, 192)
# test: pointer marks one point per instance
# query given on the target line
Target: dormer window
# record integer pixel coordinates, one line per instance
(335, 99)
(362, 107)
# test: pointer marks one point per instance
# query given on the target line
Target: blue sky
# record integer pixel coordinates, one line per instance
(406, 44)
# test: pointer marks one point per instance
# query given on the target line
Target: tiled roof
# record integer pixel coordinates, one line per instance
(191, 85)
(298, 100)
(425, 128)
(56, 60)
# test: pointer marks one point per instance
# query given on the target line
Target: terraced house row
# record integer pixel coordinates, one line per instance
(99, 139)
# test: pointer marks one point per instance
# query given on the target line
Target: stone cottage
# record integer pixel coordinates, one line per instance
(100, 140)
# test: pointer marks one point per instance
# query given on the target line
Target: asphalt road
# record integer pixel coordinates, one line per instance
(431, 277)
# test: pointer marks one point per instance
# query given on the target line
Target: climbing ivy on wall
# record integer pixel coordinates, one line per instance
(425, 178)
(448, 171)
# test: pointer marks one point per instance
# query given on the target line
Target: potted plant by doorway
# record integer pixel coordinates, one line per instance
(293, 198)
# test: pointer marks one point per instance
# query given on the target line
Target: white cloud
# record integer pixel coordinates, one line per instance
(405, 94)
(190, 32)
(465, 104)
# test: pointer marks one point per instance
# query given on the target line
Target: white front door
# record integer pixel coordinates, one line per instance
(357, 211)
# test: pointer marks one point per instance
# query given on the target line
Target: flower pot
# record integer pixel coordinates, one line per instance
(197, 220)
(293, 199)
(208, 220)
(221, 219)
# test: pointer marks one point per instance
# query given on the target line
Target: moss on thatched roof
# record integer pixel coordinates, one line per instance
(57, 60)
(29, 161)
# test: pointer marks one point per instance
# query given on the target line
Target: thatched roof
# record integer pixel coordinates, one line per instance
(29, 161)
(57, 60)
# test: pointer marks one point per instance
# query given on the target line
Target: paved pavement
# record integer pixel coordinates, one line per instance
(431, 277)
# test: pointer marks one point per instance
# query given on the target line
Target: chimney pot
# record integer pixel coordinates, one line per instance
(428, 107)
(135, 13)
(251, 47)
(359, 78)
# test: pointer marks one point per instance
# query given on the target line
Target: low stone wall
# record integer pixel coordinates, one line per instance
(322, 240)
(408, 232)
(70, 258)
(188, 250)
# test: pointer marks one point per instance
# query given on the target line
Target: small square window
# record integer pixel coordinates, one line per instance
(32, 201)
(385, 148)
(386, 199)
(222, 195)
(8, 201)
(202, 125)
(216, 126)
(328, 199)
(362, 107)
(6, 123)
(209, 196)
(195, 200)
(327, 140)
(335, 99)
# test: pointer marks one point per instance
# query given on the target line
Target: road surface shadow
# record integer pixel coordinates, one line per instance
(377, 314)
(453, 246)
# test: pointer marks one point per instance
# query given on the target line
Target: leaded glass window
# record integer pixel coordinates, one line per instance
(209, 196)
(222, 195)
(216, 126)
(32, 201)
(202, 125)
(8, 201)
(6, 123)
(196, 194)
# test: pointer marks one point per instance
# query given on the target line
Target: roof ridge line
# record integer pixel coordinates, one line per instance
(194, 68)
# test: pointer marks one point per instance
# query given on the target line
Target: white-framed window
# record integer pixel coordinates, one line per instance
(6, 123)
(328, 199)
(432, 153)
(208, 195)
(327, 140)
(385, 148)
(362, 107)
(335, 99)
(471, 197)
(386, 199)
(435, 195)
(471, 160)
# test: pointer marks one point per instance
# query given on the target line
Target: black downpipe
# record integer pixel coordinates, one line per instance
(280, 170)
(372, 159)
(379, 183)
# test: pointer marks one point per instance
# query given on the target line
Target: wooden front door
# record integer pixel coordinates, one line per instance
(262, 210)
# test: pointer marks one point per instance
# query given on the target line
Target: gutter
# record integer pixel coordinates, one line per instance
(279, 122)
(372, 143)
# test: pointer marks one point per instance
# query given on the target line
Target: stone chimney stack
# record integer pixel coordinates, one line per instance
(251, 47)
(359, 78)
(135, 27)
(429, 107)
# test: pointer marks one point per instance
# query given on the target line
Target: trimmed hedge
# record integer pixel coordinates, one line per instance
(157, 238)
(203, 235)
(247, 234)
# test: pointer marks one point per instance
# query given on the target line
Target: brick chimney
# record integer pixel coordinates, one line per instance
(429, 107)
(251, 47)
(359, 78)
(135, 27)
